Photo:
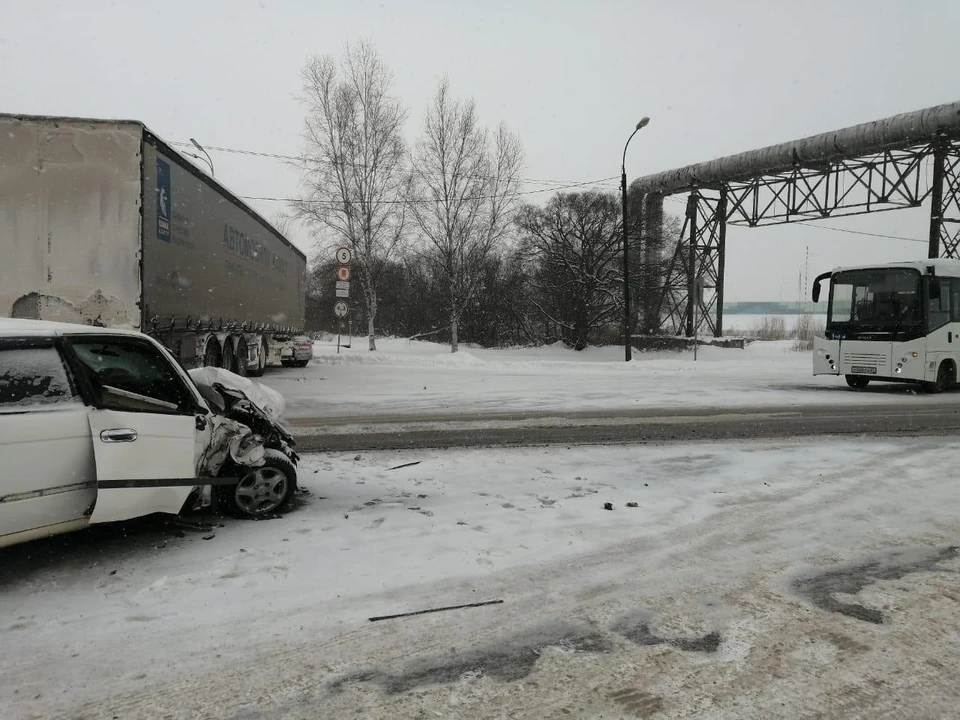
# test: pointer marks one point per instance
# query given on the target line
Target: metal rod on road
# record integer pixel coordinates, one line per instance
(378, 618)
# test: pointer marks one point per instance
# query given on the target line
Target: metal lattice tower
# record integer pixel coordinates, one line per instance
(873, 167)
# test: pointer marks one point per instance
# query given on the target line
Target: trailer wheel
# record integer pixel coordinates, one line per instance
(229, 360)
(240, 357)
(261, 360)
(212, 354)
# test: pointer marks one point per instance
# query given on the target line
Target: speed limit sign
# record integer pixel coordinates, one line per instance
(344, 256)
(340, 309)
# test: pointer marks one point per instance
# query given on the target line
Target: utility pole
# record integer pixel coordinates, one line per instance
(627, 347)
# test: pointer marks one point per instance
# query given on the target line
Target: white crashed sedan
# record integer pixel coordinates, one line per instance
(99, 425)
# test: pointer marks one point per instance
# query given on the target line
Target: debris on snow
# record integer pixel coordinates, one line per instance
(378, 618)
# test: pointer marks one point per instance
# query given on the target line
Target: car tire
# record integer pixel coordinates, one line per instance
(261, 491)
(300, 363)
(857, 382)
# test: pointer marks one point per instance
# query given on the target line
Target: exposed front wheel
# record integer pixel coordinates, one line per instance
(946, 376)
(857, 382)
(261, 490)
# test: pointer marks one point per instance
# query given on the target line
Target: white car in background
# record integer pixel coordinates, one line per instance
(99, 425)
(297, 352)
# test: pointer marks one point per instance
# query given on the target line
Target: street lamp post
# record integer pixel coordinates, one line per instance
(199, 147)
(627, 349)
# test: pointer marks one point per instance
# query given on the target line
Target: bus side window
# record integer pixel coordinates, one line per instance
(955, 299)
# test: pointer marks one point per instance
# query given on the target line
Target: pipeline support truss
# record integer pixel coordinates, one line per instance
(872, 180)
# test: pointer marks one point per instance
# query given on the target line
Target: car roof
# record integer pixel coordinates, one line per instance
(16, 327)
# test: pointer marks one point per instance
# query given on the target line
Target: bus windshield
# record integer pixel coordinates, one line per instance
(880, 300)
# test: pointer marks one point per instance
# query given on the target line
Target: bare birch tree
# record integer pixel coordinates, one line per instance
(355, 163)
(465, 196)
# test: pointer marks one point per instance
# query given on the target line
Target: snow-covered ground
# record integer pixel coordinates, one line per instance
(423, 377)
(714, 597)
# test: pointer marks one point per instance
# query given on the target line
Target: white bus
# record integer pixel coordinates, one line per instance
(896, 322)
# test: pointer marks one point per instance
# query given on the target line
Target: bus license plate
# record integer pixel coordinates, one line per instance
(862, 370)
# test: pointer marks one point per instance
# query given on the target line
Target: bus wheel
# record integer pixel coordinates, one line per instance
(946, 376)
(857, 382)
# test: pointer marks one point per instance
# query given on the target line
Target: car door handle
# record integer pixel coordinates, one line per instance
(115, 435)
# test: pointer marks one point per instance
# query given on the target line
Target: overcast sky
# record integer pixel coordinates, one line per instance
(571, 78)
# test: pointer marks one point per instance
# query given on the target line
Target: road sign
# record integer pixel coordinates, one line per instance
(341, 309)
(344, 256)
(343, 285)
(342, 293)
(343, 272)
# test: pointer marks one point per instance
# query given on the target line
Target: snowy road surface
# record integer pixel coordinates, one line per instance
(424, 378)
(806, 579)
(649, 425)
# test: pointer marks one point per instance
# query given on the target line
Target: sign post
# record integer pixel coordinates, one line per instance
(342, 290)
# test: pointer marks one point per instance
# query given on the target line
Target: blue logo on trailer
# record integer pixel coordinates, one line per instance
(164, 200)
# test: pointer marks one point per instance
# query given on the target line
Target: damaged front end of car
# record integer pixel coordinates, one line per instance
(247, 444)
